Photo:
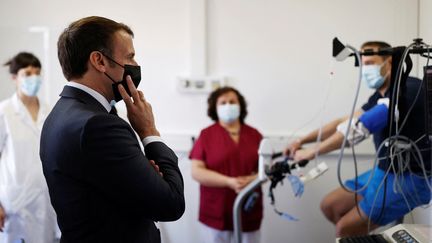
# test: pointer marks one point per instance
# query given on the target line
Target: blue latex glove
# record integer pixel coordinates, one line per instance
(296, 185)
(286, 216)
(289, 217)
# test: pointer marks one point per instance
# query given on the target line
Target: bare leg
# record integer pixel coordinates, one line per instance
(352, 224)
(337, 203)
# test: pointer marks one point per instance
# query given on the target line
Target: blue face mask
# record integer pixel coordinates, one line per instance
(30, 85)
(228, 113)
(371, 75)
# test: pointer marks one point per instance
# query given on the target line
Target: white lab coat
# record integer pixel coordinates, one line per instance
(23, 190)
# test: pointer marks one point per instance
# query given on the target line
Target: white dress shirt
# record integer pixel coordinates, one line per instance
(104, 102)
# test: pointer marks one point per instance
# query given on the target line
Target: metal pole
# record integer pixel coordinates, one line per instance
(238, 207)
(265, 152)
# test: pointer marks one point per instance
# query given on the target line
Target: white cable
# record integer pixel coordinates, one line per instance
(420, 138)
(398, 81)
(396, 183)
(395, 152)
(398, 130)
(415, 99)
(416, 197)
(411, 107)
(420, 157)
(396, 172)
(392, 167)
(376, 196)
(318, 141)
(375, 164)
(320, 113)
(357, 54)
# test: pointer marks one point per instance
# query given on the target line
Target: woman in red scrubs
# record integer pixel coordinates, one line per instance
(224, 161)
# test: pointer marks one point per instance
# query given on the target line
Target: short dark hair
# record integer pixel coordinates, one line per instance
(22, 60)
(214, 96)
(82, 37)
(377, 44)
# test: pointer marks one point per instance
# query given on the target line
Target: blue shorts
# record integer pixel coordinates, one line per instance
(414, 188)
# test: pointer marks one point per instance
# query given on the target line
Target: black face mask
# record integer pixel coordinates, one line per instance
(133, 71)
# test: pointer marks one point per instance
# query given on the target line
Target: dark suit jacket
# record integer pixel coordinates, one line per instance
(102, 186)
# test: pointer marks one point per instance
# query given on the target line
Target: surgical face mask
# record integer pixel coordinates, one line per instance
(371, 75)
(30, 85)
(133, 71)
(228, 113)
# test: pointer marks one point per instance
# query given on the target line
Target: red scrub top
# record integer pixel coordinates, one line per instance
(221, 154)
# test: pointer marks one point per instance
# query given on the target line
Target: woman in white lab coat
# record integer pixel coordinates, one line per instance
(26, 214)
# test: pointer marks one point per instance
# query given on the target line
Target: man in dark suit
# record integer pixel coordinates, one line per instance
(102, 186)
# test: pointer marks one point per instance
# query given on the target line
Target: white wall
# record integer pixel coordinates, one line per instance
(425, 26)
(425, 19)
(161, 36)
(277, 52)
(421, 215)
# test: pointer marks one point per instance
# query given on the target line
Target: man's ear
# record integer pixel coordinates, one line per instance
(97, 61)
(388, 64)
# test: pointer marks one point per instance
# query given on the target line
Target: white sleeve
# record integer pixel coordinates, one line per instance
(151, 139)
(385, 101)
(3, 133)
(3, 137)
(357, 132)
